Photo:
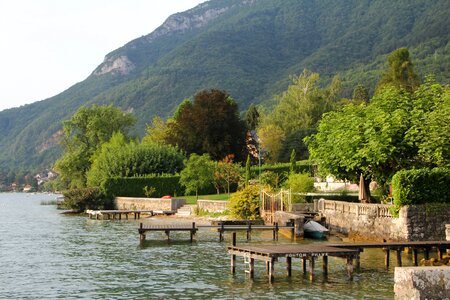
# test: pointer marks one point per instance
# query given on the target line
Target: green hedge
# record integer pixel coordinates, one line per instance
(410, 187)
(302, 166)
(85, 198)
(134, 186)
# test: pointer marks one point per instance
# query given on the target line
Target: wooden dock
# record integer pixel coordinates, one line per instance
(221, 229)
(271, 253)
(415, 246)
(113, 214)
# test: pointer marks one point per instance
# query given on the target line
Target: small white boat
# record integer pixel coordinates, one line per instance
(314, 230)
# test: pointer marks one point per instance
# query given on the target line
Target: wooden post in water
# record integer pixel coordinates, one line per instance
(311, 267)
(251, 266)
(249, 231)
(325, 265)
(141, 234)
(386, 257)
(271, 269)
(440, 252)
(414, 250)
(221, 230)
(168, 234)
(292, 229)
(304, 264)
(289, 266)
(399, 257)
(358, 260)
(427, 253)
(233, 257)
(192, 231)
(350, 267)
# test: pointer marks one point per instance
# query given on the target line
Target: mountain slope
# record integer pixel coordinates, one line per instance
(246, 47)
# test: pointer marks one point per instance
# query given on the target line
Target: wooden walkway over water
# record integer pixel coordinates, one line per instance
(270, 254)
(117, 214)
(221, 229)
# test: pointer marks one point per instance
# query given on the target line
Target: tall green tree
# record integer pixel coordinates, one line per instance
(198, 173)
(252, 117)
(84, 134)
(210, 124)
(400, 72)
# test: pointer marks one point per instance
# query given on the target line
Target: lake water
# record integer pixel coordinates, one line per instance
(47, 255)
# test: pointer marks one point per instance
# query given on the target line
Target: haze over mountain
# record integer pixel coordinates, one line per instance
(246, 47)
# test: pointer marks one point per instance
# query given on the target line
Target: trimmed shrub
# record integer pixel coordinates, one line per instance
(138, 186)
(420, 186)
(303, 166)
(85, 198)
(244, 204)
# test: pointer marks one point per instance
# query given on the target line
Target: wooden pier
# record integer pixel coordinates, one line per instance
(398, 247)
(271, 253)
(113, 214)
(221, 229)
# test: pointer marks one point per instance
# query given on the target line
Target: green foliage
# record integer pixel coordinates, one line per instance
(421, 186)
(272, 180)
(299, 183)
(249, 51)
(211, 124)
(360, 94)
(245, 203)
(149, 191)
(85, 198)
(84, 134)
(162, 185)
(198, 173)
(248, 171)
(281, 169)
(400, 72)
(293, 162)
(120, 159)
(252, 117)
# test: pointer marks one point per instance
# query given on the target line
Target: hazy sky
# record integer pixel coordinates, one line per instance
(49, 45)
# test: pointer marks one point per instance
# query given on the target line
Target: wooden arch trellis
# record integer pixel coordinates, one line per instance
(271, 203)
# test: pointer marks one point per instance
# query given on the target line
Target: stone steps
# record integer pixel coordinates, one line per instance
(185, 210)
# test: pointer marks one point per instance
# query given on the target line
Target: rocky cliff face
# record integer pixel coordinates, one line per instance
(197, 17)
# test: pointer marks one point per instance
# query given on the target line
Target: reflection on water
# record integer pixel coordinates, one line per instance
(44, 254)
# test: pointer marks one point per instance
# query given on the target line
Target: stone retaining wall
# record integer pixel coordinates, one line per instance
(422, 283)
(374, 221)
(212, 205)
(130, 203)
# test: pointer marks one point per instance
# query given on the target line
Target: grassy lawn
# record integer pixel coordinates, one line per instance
(193, 200)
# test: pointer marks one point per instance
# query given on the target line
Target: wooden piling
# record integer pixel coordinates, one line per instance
(311, 267)
(386, 257)
(249, 231)
(192, 232)
(427, 253)
(325, 265)
(289, 266)
(350, 267)
(414, 250)
(233, 256)
(399, 257)
(271, 269)
(304, 265)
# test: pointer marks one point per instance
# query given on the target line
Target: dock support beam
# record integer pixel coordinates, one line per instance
(271, 269)
(233, 257)
(289, 266)
(386, 257)
(311, 267)
(325, 265)
(304, 264)
(399, 257)
(414, 250)
(350, 267)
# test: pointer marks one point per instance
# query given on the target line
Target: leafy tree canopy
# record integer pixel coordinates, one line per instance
(84, 133)
(210, 124)
(198, 173)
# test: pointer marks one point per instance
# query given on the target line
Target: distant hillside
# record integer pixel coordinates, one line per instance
(246, 47)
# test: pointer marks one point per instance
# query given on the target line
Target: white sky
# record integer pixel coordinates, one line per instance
(46, 46)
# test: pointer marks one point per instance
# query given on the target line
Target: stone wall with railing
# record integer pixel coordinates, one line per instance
(375, 222)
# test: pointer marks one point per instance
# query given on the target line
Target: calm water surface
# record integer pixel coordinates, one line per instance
(47, 255)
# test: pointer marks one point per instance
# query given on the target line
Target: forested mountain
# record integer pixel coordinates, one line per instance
(246, 47)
